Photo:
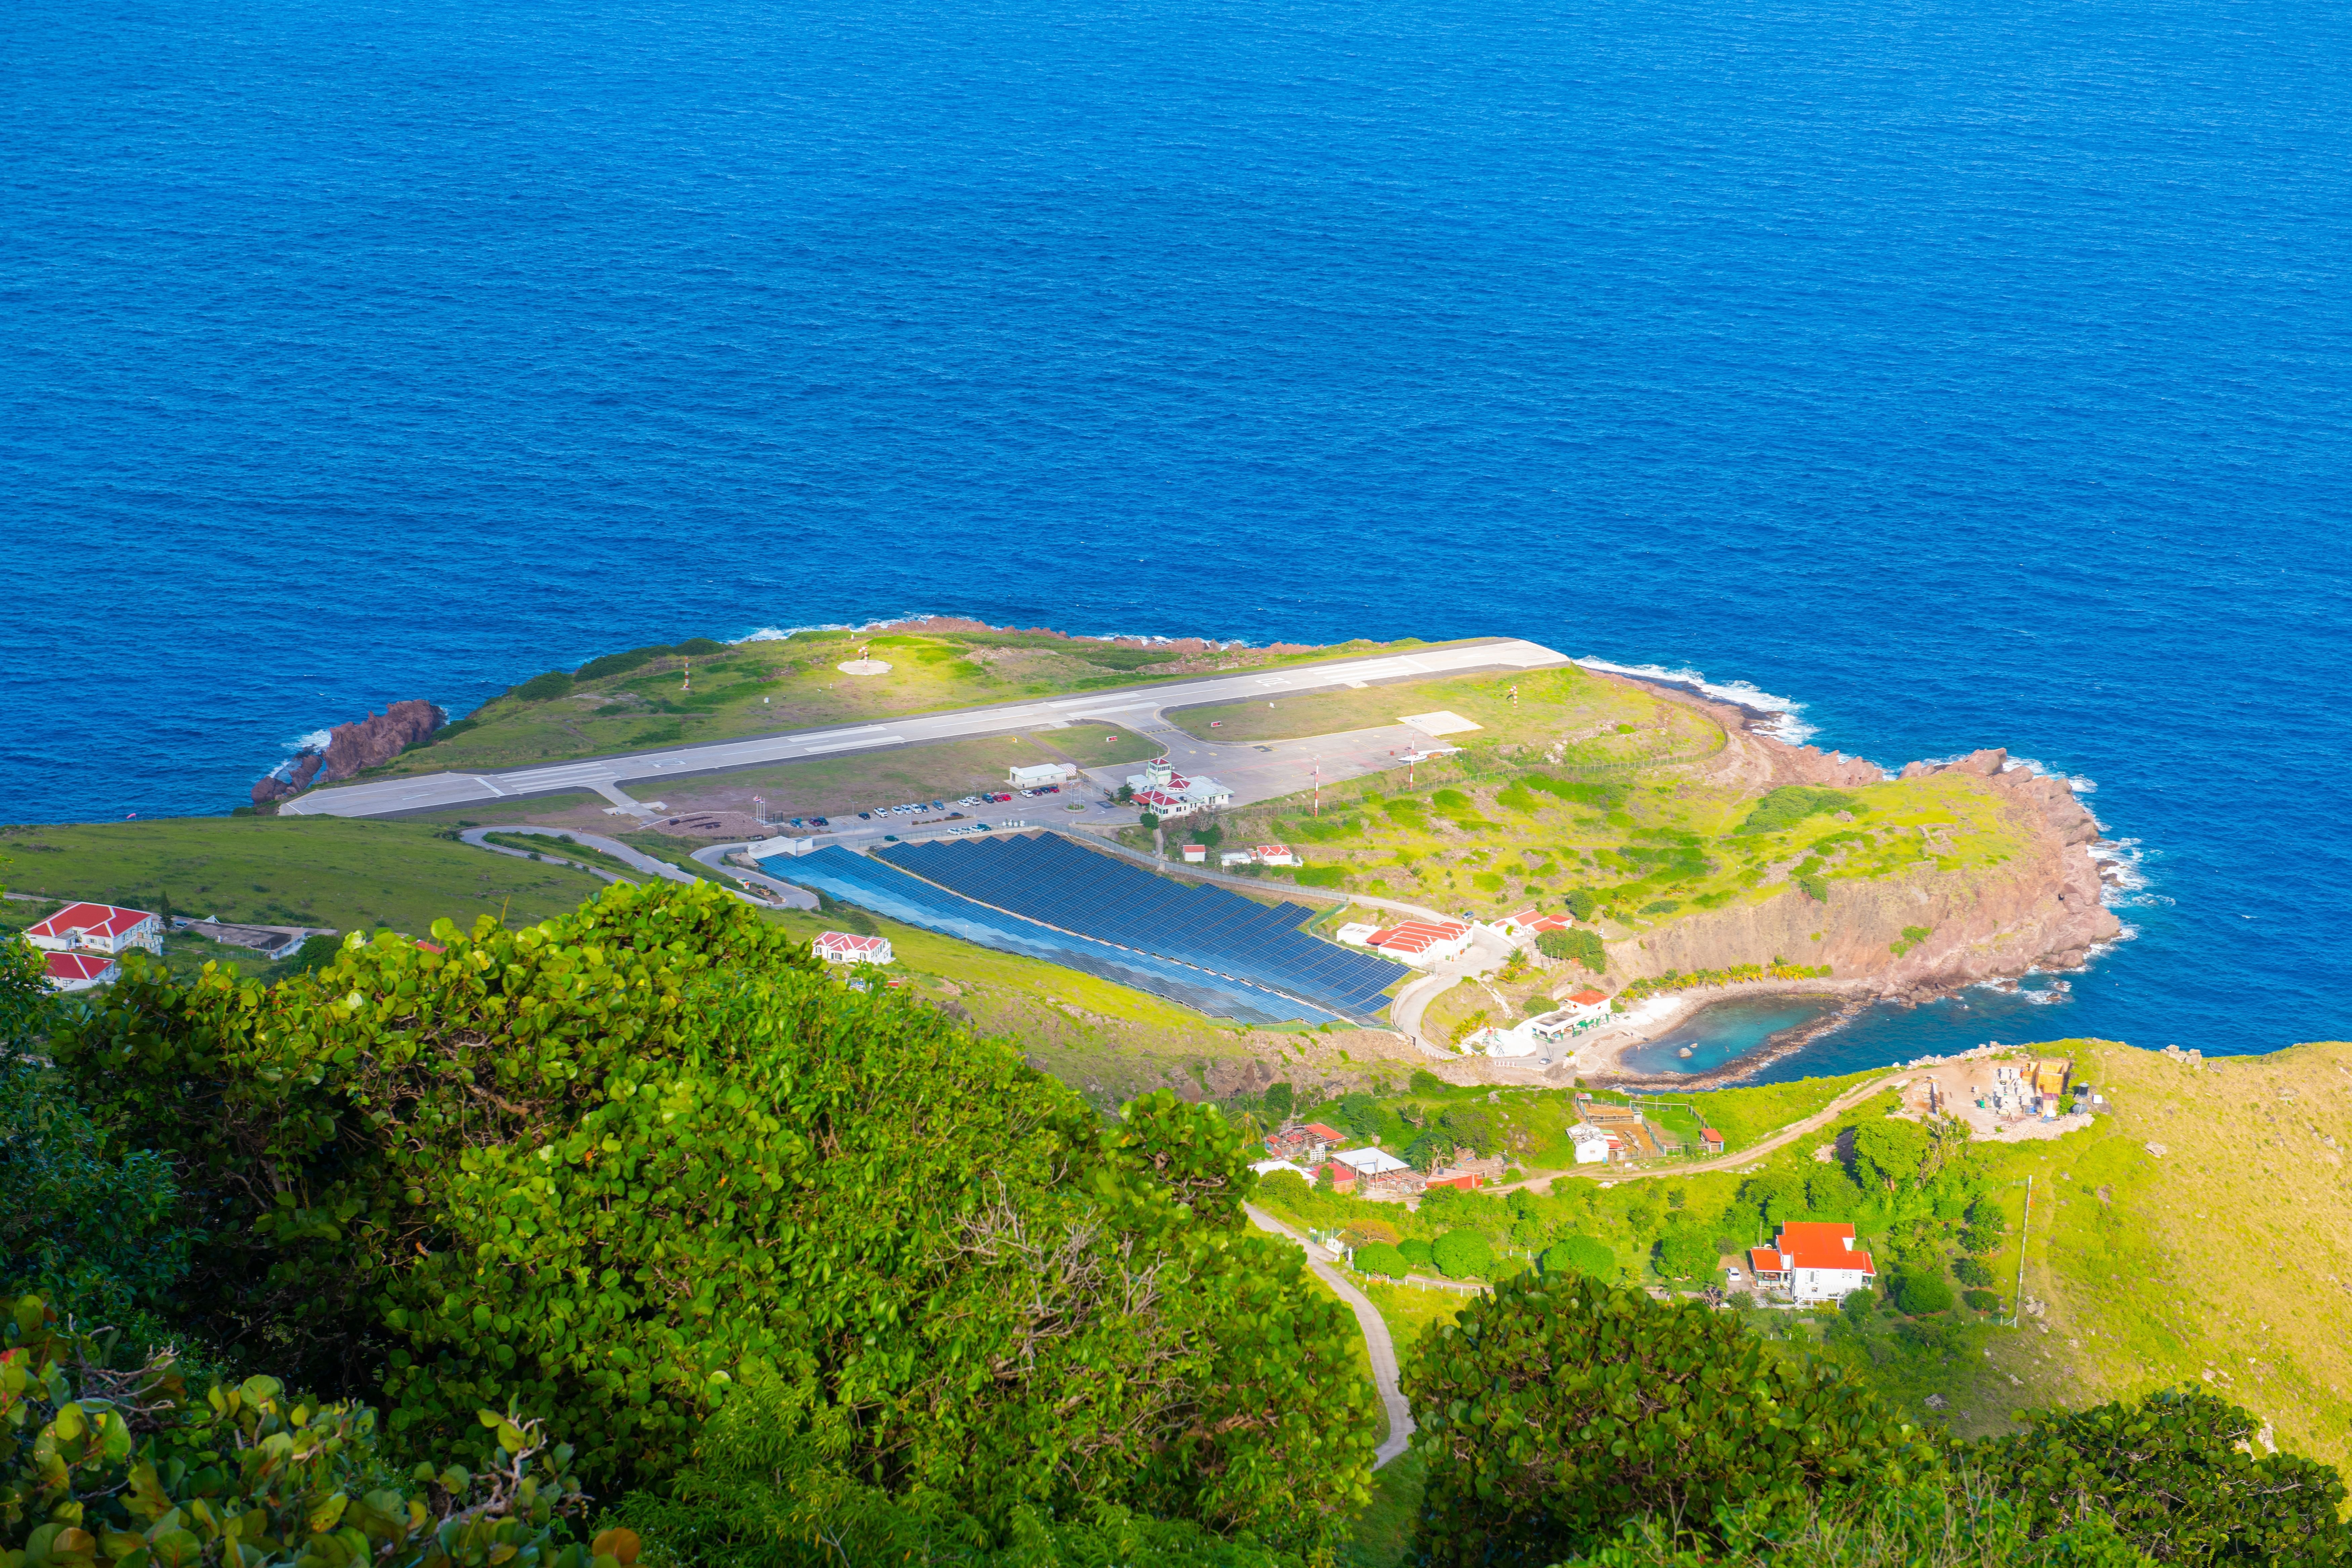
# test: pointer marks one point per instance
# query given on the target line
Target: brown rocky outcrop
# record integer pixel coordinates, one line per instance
(2039, 910)
(353, 748)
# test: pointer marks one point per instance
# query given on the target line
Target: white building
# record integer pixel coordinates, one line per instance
(1592, 1145)
(847, 947)
(1357, 934)
(1422, 943)
(1814, 1261)
(781, 846)
(79, 971)
(98, 928)
(1369, 1162)
(1043, 774)
(1196, 854)
(1161, 789)
(1275, 854)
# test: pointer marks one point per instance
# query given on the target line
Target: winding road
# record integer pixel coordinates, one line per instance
(1379, 1347)
(1781, 1140)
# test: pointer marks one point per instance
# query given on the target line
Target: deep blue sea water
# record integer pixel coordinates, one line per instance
(1970, 372)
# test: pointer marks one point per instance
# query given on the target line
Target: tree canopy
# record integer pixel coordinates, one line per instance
(608, 1166)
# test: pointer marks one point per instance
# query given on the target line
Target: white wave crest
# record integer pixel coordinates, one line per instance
(1785, 725)
(778, 633)
(2075, 782)
(316, 741)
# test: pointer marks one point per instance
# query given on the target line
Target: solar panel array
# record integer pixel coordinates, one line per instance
(1047, 878)
(892, 893)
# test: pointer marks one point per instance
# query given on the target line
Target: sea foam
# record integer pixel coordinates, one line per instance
(1785, 725)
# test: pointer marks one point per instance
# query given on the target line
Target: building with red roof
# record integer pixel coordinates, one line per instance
(1161, 789)
(848, 947)
(78, 970)
(1422, 941)
(98, 928)
(1813, 1260)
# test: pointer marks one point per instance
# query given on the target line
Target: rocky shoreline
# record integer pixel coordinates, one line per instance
(350, 749)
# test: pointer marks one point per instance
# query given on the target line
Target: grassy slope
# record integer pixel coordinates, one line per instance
(756, 688)
(307, 870)
(1467, 838)
(2229, 1253)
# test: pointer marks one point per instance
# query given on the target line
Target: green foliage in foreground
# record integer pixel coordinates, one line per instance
(122, 1466)
(760, 1493)
(1555, 1409)
(1583, 946)
(607, 1168)
(2177, 1474)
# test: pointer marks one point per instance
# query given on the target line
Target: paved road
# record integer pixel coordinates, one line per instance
(429, 792)
(613, 847)
(1786, 1135)
(1379, 1347)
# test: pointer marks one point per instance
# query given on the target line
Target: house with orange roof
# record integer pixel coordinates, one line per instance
(1813, 1260)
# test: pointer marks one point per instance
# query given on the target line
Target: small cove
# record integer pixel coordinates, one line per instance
(1722, 1033)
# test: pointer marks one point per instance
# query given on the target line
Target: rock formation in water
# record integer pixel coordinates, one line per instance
(353, 748)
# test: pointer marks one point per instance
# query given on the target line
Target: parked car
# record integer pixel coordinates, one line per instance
(796, 823)
(820, 822)
(890, 838)
(938, 805)
(865, 816)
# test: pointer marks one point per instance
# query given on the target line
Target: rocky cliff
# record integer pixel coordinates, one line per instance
(351, 748)
(2040, 908)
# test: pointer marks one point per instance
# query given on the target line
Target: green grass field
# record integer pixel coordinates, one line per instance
(294, 870)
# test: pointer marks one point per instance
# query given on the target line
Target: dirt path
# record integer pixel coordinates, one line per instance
(1781, 1140)
(1378, 1346)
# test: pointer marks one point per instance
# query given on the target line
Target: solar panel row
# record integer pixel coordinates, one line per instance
(892, 893)
(1048, 877)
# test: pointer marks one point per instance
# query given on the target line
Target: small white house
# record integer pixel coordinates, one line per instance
(1275, 854)
(848, 947)
(98, 928)
(1370, 1161)
(79, 971)
(1232, 857)
(1592, 1144)
(1196, 854)
(1043, 774)
(1357, 934)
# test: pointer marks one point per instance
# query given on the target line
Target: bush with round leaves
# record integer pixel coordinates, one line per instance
(599, 1166)
(2177, 1474)
(1687, 1254)
(103, 1465)
(1972, 1272)
(1382, 1258)
(1460, 1254)
(1418, 1253)
(1554, 1410)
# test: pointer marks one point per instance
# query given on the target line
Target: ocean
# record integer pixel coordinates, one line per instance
(1944, 374)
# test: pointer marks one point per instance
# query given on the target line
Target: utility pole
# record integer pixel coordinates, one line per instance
(2017, 1308)
(689, 675)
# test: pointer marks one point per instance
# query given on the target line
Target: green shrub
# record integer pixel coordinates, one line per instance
(622, 663)
(1581, 903)
(1380, 1258)
(1460, 1254)
(1687, 1254)
(1971, 1271)
(598, 1166)
(1583, 946)
(541, 688)
(2177, 1474)
(122, 1466)
(700, 648)
(1813, 888)
(1319, 876)
(1583, 1255)
(1418, 1253)
(1792, 803)
(1920, 1292)
(1128, 657)
(95, 1231)
(1557, 1409)
(1981, 1301)
(1660, 907)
